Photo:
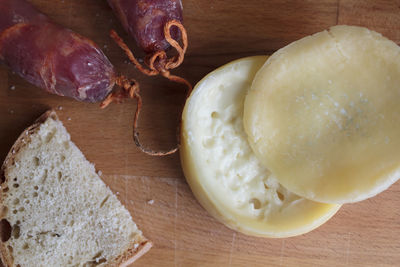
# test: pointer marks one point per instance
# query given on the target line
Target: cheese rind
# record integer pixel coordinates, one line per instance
(222, 170)
(323, 115)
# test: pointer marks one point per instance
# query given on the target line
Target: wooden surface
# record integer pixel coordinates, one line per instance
(362, 234)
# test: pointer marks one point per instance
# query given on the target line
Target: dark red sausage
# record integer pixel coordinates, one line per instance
(145, 20)
(52, 57)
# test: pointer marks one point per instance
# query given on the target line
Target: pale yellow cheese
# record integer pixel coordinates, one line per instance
(323, 114)
(222, 170)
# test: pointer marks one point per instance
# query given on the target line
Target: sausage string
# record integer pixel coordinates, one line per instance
(158, 64)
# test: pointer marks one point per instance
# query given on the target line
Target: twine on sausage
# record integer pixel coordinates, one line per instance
(158, 64)
(129, 88)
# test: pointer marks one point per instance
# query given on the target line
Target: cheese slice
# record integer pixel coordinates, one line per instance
(323, 114)
(223, 172)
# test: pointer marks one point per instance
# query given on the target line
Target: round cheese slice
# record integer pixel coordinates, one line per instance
(323, 114)
(222, 170)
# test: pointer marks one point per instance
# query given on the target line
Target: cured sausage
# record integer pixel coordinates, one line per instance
(144, 20)
(52, 57)
(155, 25)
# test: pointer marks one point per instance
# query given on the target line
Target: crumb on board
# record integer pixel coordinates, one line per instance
(150, 202)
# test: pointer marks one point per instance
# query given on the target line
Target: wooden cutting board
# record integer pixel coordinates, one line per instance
(154, 189)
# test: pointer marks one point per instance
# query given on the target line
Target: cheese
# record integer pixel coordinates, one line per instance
(323, 115)
(222, 170)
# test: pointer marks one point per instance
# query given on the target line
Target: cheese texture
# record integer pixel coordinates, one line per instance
(223, 172)
(323, 115)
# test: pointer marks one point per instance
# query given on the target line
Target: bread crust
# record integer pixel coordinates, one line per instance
(123, 260)
(132, 254)
(23, 140)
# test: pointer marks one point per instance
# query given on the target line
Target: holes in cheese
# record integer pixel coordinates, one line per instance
(323, 115)
(223, 172)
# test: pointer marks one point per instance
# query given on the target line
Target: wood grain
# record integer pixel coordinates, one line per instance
(362, 234)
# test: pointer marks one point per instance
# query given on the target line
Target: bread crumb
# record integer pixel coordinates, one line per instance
(100, 173)
(60, 108)
(12, 87)
(150, 202)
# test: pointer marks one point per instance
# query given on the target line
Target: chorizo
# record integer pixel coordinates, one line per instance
(144, 20)
(52, 57)
(155, 25)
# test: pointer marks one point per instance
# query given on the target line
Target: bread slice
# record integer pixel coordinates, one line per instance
(54, 208)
